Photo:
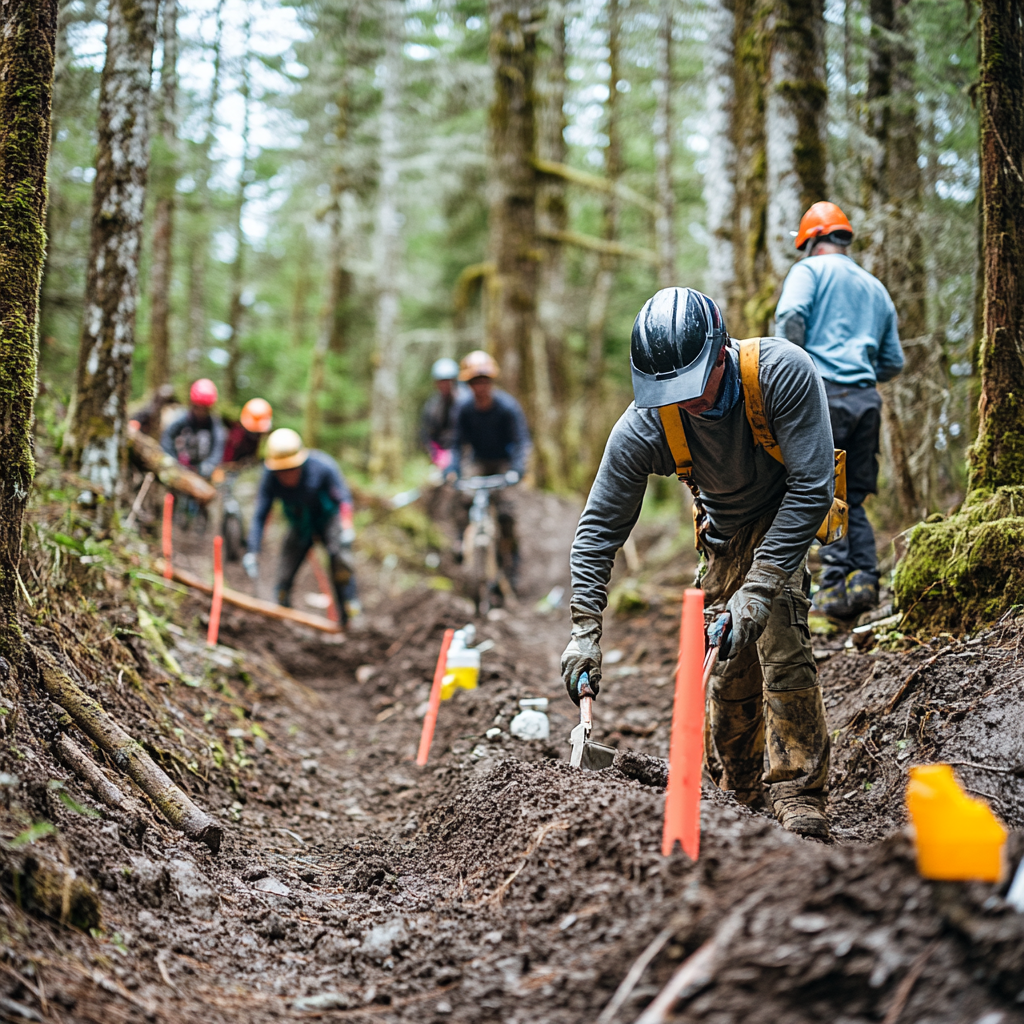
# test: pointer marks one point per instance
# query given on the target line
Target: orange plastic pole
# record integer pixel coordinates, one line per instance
(324, 584)
(686, 754)
(430, 720)
(218, 592)
(168, 527)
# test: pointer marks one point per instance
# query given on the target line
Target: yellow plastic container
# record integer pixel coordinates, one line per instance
(958, 838)
(462, 671)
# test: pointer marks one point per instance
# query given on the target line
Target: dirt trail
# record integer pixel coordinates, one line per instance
(497, 884)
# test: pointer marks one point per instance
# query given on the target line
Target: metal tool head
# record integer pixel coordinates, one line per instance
(597, 756)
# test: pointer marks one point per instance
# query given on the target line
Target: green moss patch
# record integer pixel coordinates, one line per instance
(967, 569)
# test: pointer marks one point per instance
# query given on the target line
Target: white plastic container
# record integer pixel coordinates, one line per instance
(462, 668)
(531, 723)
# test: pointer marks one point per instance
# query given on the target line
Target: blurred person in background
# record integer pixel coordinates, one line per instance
(196, 437)
(317, 504)
(844, 319)
(437, 422)
(493, 429)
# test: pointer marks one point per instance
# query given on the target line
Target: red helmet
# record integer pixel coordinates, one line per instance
(203, 392)
(822, 219)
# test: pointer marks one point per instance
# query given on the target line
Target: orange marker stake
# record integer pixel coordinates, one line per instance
(218, 592)
(168, 527)
(324, 584)
(686, 754)
(430, 721)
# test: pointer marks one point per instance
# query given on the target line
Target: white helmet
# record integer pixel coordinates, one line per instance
(445, 369)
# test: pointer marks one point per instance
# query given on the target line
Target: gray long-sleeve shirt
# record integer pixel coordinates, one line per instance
(739, 482)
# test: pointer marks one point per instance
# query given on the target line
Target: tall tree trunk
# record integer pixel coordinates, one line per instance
(28, 42)
(331, 335)
(98, 440)
(794, 125)
(513, 191)
(236, 309)
(550, 378)
(165, 174)
(893, 187)
(997, 457)
(199, 206)
(664, 226)
(720, 179)
(385, 409)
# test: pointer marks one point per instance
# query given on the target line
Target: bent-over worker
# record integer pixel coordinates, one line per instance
(318, 506)
(766, 720)
(845, 321)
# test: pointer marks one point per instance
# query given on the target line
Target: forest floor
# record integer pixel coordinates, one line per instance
(496, 884)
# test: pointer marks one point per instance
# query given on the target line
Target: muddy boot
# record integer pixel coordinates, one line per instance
(861, 592)
(804, 815)
(832, 601)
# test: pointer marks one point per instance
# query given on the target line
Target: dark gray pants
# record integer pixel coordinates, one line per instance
(856, 415)
(295, 548)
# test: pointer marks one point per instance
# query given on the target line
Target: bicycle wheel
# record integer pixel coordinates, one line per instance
(234, 538)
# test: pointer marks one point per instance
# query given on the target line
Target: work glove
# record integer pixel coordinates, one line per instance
(512, 477)
(583, 653)
(251, 565)
(348, 536)
(751, 606)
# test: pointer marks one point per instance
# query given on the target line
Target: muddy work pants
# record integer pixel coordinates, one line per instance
(294, 550)
(765, 720)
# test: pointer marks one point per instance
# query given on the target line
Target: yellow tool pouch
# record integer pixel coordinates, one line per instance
(836, 522)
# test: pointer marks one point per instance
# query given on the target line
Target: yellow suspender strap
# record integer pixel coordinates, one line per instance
(672, 424)
(750, 363)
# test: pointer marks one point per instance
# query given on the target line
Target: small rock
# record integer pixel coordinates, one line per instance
(809, 923)
(272, 885)
(192, 890)
(382, 939)
(443, 1007)
(254, 873)
(324, 1001)
(567, 922)
(259, 745)
(493, 938)
(274, 927)
(310, 766)
(365, 673)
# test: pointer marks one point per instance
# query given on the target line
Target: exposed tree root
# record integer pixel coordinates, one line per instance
(78, 761)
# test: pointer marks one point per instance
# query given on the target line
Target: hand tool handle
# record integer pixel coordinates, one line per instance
(586, 700)
(720, 628)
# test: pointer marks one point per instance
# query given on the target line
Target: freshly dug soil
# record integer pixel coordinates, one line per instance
(498, 884)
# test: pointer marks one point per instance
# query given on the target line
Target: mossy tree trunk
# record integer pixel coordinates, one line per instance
(199, 215)
(98, 440)
(997, 458)
(28, 41)
(237, 304)
(968, 569)
(794, 128)
(893, 187)
(165, 164)
(385, 408)
(512, 221)
(664, 225)
(550, 377)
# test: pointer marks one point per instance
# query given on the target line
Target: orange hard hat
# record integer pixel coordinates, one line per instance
(257, 416)
(822, 219)
(478, 364)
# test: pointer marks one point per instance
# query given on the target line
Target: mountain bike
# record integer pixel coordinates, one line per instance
(232, 528)
(481, 568)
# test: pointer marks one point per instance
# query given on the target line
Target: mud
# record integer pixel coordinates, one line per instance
(498, 884)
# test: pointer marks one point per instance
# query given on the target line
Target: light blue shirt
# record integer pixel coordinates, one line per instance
(849, 320)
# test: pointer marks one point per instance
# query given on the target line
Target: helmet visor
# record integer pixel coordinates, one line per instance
(651, 390)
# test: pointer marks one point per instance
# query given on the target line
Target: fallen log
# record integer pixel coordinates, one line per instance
(75, 758)
(255, 604)
(128, 755)
(171, 473)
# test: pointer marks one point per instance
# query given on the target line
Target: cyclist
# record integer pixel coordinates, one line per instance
(318, 506)
(196, 438)
(437, 423)
(493, 427)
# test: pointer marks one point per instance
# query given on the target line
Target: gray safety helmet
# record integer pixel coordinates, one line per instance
(445, 369)
(676, 340)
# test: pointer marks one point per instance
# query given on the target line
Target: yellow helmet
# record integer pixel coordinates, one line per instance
(478, 364)
(284, 450)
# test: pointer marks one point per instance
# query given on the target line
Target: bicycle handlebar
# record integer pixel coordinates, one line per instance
(482, 483)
